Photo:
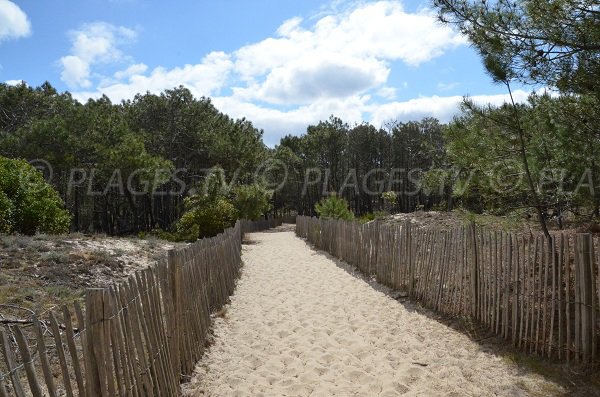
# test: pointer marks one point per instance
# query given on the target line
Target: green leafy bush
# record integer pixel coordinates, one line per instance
(251, 201)
(28, 204)
(209, 212)
(389, 200)
(206, 217)
(6, 213)
(334, 207)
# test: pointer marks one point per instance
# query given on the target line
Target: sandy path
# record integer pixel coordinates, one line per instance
(299, 325)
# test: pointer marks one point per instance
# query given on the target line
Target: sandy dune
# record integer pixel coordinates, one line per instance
(299, 325)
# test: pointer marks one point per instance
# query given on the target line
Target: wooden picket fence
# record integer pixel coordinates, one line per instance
(262, 224)
(141, 337)
(540, 294)
(289, 219)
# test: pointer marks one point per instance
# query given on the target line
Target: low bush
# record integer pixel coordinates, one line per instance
(334, 207)
(206, 218)
(371, 216)
(251, 201)
(28, 204)
(160, 234)
(208, 212)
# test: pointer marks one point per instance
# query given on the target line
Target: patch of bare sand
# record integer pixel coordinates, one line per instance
(298, 325)
(132, 254)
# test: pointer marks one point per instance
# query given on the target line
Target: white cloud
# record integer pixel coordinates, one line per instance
(305, 80)
(387, 92)
(444, 108)
(334, 64)
(137, 68)
(75, 71)
(15, 82)
(13, 21)
(339, 55)
(354, 109)
(202, 79)
(93, 43)
(278, 123)
(349, 50)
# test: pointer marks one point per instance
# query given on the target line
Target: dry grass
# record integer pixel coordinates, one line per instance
(510, 223)
(42, 271)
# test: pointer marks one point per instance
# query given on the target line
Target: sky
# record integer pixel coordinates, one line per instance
(282, 64)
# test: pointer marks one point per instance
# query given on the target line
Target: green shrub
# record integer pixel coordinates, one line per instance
(368, 217)
(334, 207)
(389, 200)
(371, 216)
(160, 234)
(28, 204)
(6, 213)
(251, 201)
(209, 212)
(206, 218)
(55, 256)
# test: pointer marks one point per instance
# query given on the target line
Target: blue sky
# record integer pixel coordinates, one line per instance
(283, 64)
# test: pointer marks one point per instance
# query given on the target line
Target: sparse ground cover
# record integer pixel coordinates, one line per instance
(42, 271)
(518, 224)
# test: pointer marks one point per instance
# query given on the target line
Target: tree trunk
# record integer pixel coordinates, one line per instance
(523, 152)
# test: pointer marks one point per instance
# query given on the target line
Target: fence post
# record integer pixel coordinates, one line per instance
(586, 274)
(411, 267)
(175, 270)
(94, 343)
(474, 271)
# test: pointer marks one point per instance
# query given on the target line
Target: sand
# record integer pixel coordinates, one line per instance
(300, 325)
